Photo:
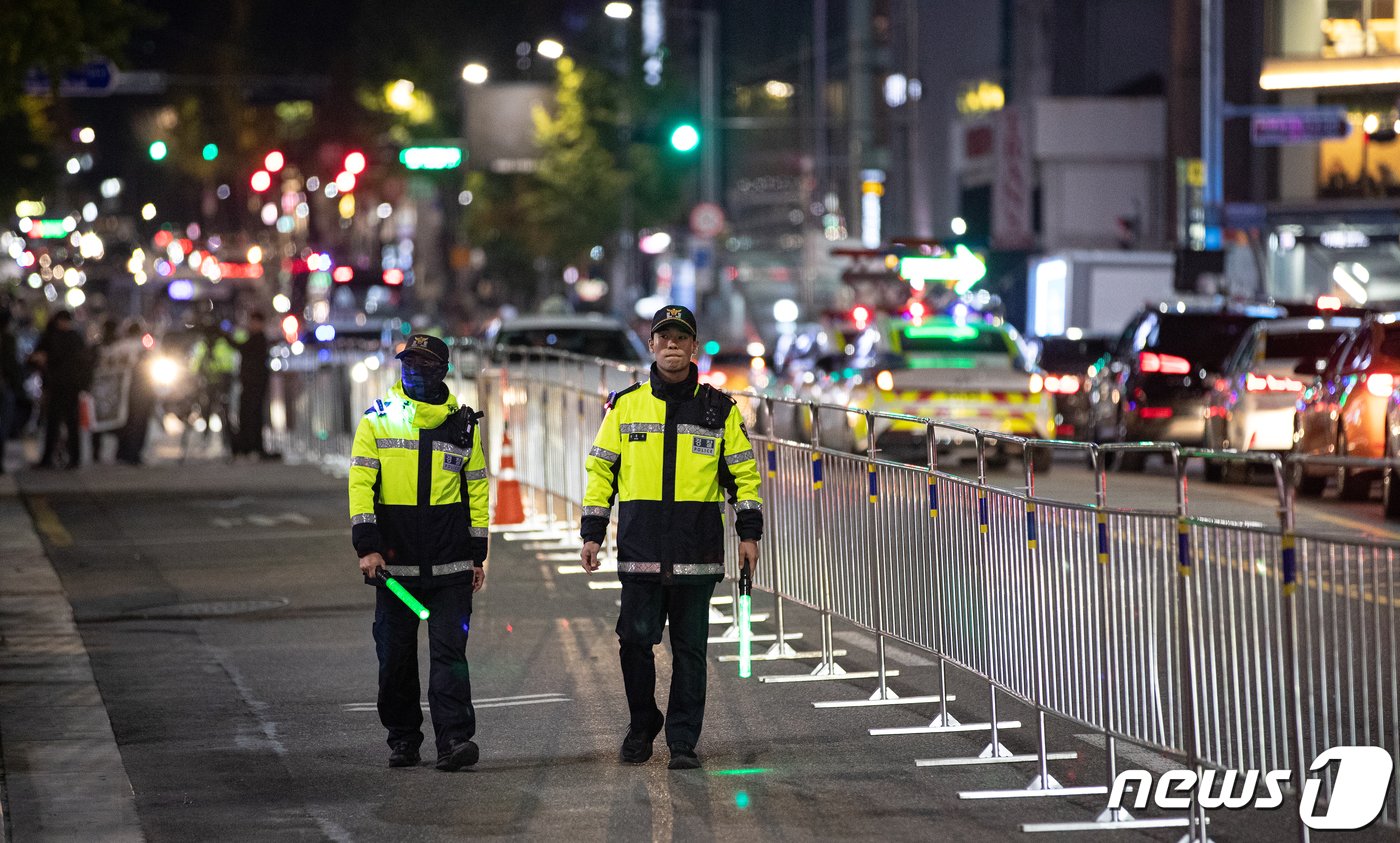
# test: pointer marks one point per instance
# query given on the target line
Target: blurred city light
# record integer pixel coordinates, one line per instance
(778, 90)
(618, 11)
(958, 225)
(158, 150)
(785, 311)
(344, 182)
(550, 49)
(111, 188)
(86, 135)
(261, 181)
(399, 95)
(255, 254)
(274, 161)
(354, 164)
(210, 151)
(148, 211)
(475, 73)
(685, 137)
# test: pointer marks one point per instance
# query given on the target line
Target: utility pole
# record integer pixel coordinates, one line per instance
(1212, 116)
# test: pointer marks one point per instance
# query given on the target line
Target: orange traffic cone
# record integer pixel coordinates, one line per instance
(509, 507)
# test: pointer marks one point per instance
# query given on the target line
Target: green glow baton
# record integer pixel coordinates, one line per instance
(402, 593)
(745, 628)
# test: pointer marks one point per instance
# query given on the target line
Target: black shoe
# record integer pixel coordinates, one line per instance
(403, 754)
(636, 747)
(683, 757)
(459, 754)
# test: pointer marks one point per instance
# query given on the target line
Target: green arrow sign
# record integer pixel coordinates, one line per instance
(960, 266)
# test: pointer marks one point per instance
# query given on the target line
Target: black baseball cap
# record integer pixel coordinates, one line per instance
(427, 344)
(674, 314)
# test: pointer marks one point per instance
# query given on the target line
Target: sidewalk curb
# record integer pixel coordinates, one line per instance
(61, 773)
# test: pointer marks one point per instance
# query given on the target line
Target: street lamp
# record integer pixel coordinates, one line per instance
(475, 73)
(620, 11)
(550, 49)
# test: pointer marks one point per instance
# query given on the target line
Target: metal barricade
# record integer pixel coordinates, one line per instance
(1223, 645)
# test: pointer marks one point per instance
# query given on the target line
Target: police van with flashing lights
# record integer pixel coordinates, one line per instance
(969, 369)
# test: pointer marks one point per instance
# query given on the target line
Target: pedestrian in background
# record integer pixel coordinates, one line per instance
(63, 359)
(419, 513)
(11, 379)
(105, 355)
(140, 399)
(253, 378)
(212, 361)
(669, 450)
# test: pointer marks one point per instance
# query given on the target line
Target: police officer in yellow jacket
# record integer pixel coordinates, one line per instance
(669, 451)
(418, 513)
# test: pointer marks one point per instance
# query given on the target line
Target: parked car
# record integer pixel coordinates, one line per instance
(1068, 366)
(1252, 404)
(1155, 385)
(1342, 412)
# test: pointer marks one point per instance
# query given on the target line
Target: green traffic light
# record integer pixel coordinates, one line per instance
(685, 138)
(211, 151)
(158, 151)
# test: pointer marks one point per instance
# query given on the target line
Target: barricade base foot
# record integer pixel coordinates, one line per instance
(1049, 783)
(1156, 822)
(783, 650)
(905, 700)
(604, 585)
(933, 728)
(795, 654)
(893, 700)
(826, 677)
(987, 759)
(1091, 790)
(726, 638)
(883, 694)
(1113, 815)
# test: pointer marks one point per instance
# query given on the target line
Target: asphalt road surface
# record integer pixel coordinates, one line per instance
(229, 634)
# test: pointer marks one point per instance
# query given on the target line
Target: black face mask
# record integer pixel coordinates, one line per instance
(423, 380)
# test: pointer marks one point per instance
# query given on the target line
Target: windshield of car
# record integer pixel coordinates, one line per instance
(591, 342)
(1206, 339)
(1304, 344)
(1059, 354)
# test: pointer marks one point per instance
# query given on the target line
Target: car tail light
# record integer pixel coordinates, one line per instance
(1380, 384)
(1269, 383)
(1155, 412)
(885, 380)
(1167, 364)
(1062, 384)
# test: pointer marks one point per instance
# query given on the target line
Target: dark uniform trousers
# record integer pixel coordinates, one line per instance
(449, 683)
(645, 608)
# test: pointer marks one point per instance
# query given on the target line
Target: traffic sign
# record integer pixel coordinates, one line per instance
(94, 79)
(707, 219)
(1305, 125)
(962, 266)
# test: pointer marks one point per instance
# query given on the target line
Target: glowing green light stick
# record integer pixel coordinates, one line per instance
(745, 629)
(402, 593)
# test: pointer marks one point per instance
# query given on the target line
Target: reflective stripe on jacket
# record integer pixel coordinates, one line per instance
(670, 454)
(417, 494)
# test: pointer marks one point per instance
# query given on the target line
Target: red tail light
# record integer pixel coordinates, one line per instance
(1062, 384)
(1269, 383)
(1167, 364)
(1380, 384)
(1155, 412)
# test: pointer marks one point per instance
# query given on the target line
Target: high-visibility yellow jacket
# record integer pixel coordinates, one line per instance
(668, 453)
(419, 489)
(218, 361)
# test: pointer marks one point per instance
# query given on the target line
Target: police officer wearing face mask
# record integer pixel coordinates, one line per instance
(418, 513)
(670, 451)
